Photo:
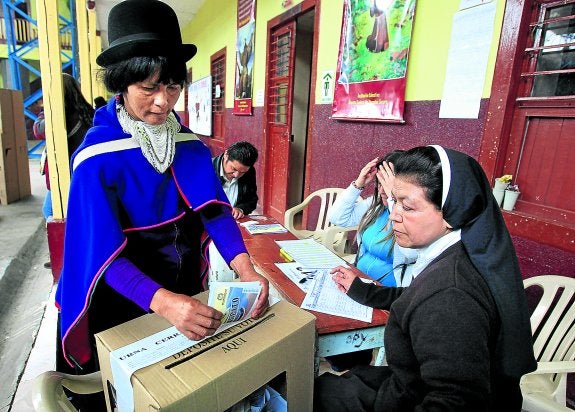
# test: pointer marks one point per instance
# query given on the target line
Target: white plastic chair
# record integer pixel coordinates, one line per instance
(48, 390)
(553, 328)
(333, 237)
(337, 239)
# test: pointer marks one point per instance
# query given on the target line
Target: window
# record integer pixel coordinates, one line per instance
(280, 57)
(550, 55)
(218, 72)
(531, 118)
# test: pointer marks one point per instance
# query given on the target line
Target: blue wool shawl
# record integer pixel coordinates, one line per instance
(115, 184)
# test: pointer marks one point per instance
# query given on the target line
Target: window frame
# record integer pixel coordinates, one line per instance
(506, 88)
(219, 103)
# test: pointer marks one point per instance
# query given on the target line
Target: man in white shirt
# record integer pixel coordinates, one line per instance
(235, 167)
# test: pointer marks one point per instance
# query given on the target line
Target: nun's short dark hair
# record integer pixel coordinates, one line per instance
(422, 166)
(118, 76)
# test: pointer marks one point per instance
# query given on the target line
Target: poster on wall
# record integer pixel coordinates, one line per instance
(244, 57)
(372, 60)
(200, 106)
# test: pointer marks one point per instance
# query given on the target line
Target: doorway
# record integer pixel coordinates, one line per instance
(287, 112)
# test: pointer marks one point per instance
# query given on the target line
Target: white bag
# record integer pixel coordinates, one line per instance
(219, 269)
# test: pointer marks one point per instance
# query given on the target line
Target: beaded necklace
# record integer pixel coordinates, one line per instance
(157, 142)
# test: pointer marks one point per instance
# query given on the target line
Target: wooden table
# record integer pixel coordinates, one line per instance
(336, 334)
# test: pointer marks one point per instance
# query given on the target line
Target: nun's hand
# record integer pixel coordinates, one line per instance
(343, 277)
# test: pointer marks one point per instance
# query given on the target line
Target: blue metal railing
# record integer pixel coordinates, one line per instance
(21, 37)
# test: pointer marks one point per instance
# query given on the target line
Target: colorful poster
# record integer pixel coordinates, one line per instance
(200, 106)
(372, 61)
(244, 57)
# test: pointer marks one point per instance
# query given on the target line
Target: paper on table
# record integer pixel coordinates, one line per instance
(248, 223)
(311, 254)
(270, 228)
(299, 275)
(324, 296)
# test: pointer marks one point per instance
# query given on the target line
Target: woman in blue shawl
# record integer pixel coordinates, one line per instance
(144, 198)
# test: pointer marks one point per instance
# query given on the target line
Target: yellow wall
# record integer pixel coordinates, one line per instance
(429, 46)
(214, 27)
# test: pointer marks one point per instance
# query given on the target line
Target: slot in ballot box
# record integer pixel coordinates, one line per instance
(213, 376)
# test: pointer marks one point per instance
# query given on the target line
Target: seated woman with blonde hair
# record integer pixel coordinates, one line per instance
(378, 256)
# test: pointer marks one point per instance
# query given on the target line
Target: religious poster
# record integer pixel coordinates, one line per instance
(372, 61)
(200, 106)
(244, 57)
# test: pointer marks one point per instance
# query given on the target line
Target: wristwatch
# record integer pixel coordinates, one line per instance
(356, 186)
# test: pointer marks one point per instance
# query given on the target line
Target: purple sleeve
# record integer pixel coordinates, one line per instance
(225, 233)
(130, 282)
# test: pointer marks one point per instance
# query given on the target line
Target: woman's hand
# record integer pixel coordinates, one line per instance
(243, 266)
(367, 173)
(190, 316)
(386, 177)
(343, 277)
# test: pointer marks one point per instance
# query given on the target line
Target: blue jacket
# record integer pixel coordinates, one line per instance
(113, 187)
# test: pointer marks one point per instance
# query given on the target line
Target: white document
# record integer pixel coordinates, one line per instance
(324, 296)
(219, 269)
(302, 277)
(311, 254)
(471, 38)
(256, 229)
(248, 222)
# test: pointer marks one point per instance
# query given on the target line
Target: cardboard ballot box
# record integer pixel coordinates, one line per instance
(14, 166)
(218, 372)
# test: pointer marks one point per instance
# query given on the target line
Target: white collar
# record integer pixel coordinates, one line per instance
(428, 253)
(223, 173)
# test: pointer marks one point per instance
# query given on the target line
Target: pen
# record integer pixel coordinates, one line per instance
(286, 256)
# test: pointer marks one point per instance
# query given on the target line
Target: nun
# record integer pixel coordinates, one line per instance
(458, 338)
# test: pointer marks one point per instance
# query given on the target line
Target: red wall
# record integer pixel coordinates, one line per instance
(339, 150)
(350, 145)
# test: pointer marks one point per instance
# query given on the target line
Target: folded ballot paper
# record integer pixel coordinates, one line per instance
(235, 300)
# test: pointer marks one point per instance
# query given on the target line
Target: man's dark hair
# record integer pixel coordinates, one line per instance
(243, 152)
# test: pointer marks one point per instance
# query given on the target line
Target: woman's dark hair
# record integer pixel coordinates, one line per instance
(79, 113)
(117, 77)
(422, 166)
(376, 208)
(76, 106)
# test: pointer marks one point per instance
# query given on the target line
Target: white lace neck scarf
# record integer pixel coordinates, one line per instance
(157, 142)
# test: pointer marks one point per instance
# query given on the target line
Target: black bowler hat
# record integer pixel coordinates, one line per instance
(143, 28)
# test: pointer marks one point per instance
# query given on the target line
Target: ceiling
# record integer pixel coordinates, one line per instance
(185, 10)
